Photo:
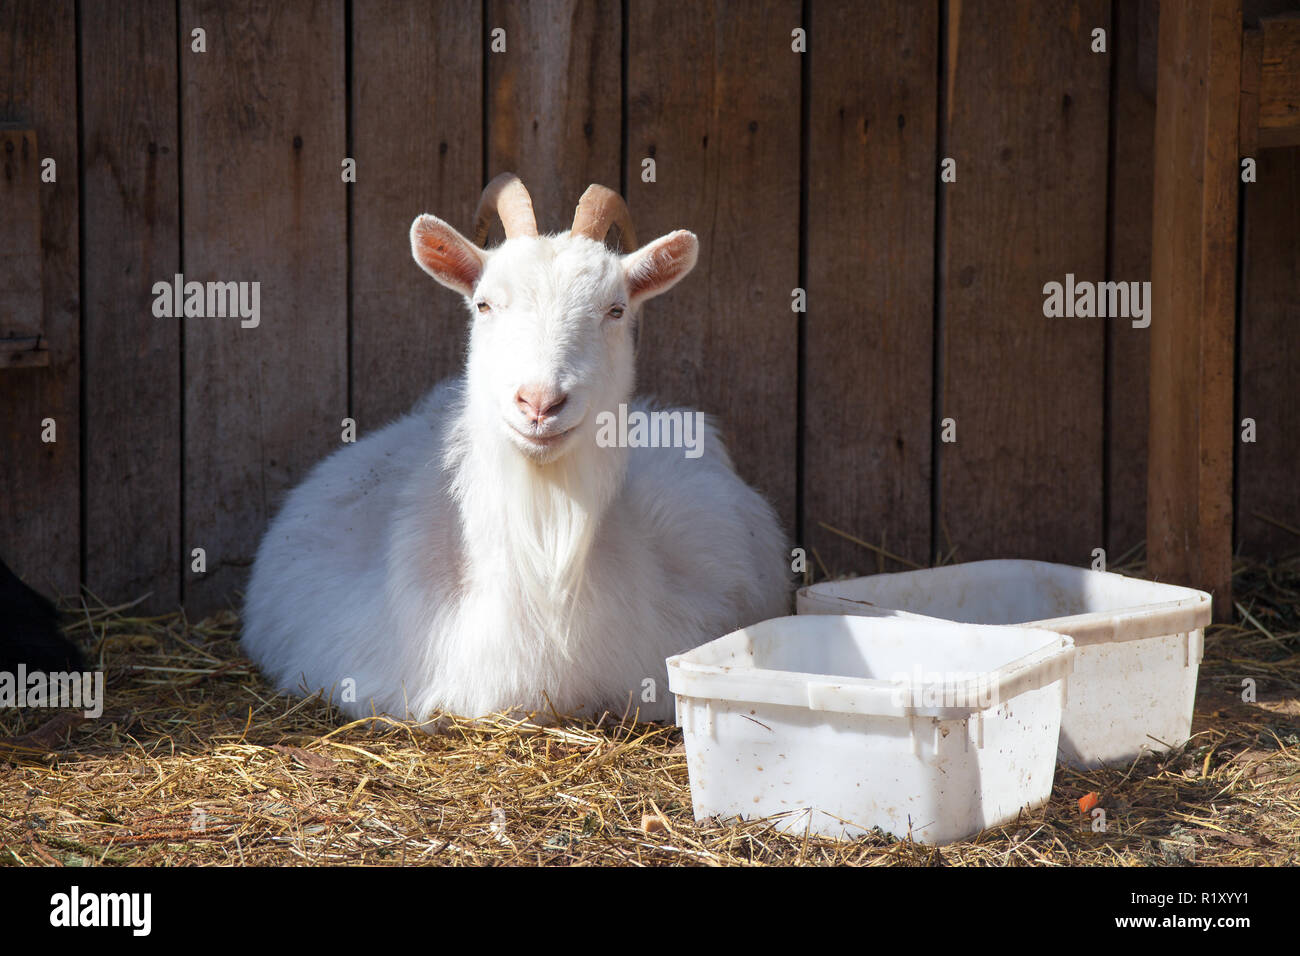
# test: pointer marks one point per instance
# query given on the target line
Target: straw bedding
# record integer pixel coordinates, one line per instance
(197, 761)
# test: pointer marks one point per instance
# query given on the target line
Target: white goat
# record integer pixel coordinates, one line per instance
(487, 552)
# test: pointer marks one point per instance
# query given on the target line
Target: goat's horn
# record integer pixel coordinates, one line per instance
(505, 198)
(598, 209)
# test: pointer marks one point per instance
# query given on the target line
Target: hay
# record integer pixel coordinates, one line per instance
(197, 761)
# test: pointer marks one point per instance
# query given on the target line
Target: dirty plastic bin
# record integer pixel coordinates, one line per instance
(840, 724)
(1139, 643)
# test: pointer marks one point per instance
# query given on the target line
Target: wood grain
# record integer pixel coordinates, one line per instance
(872, 170)
(1270, 348)
(417, 135)
(133, 423)
(1027, 124)
(713, 95)
(1279, 81)
(1193, 275)
(1132, 142)
(554, 101)
(713, 99)
(1252, 54)
(40, 526)
(20, 251)
(262, 147)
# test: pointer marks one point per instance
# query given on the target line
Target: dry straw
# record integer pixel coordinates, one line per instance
(197, 761)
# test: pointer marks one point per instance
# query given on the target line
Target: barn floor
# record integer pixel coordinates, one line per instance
(196, 761)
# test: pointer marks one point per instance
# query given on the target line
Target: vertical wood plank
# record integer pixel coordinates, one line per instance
(868, 358)
(133, 425)
(263, 143)
(713, 99)
(1027, 124)
(1252, 54)
(1193, 276)
(417, 138)
(40, 523)
(554, 108)
(1132, 140)
(1270, 351)
(21, 308)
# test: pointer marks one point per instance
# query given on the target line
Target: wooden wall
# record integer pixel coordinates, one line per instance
(1267, 488)
(815, 170)
(40, 481)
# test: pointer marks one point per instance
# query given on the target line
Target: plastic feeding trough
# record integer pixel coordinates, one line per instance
(1139, 642)
(840, 724)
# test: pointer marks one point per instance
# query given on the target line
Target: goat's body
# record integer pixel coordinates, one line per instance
(394, 567)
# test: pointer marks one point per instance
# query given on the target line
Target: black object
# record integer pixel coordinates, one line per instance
(30, 632)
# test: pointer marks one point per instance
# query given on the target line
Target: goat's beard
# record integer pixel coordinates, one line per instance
(543, 514)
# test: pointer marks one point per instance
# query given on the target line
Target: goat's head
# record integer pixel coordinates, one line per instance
(551, 344)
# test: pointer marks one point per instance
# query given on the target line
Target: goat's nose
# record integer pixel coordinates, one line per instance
(537, 401)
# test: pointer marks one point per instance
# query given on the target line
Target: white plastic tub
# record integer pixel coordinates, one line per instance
(1139, 642)
(841, 724)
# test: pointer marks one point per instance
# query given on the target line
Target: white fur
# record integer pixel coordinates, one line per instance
(447, 564)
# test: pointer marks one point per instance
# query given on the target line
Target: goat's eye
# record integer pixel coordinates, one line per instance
(616, 312)
(482, 307)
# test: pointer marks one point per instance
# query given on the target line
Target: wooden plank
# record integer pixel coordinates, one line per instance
(133, 423)
(868, 352)
(24, 353)
(1270, 346)
(1132, 139)
(1252, 53)
(1193, 275)
(711, 98)
(263, 199)
(20, 235)
(40, 525)
(554, 111)
(407, 333)
(1027, 124)
(1279, 81)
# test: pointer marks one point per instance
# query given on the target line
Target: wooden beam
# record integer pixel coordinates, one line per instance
(1268, 344)
(1193, 275)
(1134, 31)
(1252, 54)
(1279, 81)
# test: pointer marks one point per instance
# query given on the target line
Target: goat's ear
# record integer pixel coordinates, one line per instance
(445, 254)
(659, 265)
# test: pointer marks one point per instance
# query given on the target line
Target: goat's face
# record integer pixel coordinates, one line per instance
(551, 343)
